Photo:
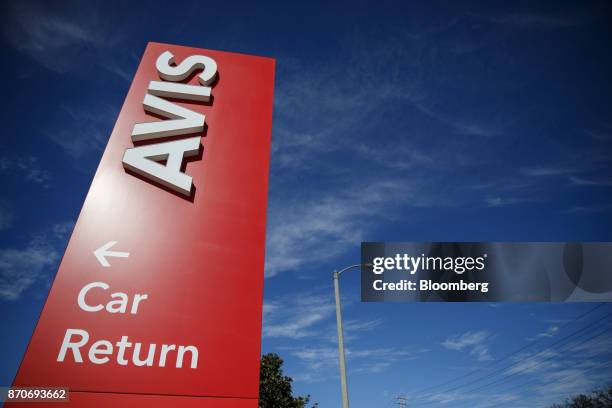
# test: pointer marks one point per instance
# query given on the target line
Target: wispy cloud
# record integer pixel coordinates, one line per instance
(351, 326)
(326, 225)
(83, 130)
(528, 363)
(119, 71)
(575, 366)
(61, 230)
(64, 40)
(532, 20)
(590, 182)
(308, 314)
(27, 168)
(542, 375)
(327, 134)
(588, 209)
(475, 400)
(402, 157)
(318, 361)
(601, 134)
(6, 216)
(458, 125)
(473, 342)
(21, 268)
(543, 171)
(499, 201)
(476, 130)
(566, 382)
(354, 329)
(342, 108)
(296, 316)
(51, 40)
(307, 318)
(549, 332)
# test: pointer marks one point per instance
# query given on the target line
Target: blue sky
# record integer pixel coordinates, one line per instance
(419, 122)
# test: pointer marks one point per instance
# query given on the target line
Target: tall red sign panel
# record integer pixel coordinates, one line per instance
(157, 301)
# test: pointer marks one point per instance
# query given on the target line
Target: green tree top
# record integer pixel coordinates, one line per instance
(275, 389)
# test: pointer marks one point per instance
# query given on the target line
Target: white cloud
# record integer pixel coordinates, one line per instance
(494, 201)
(528, 363)
(351, 326)
(322, 227)
(475, 400)
(320, 361)
(542, 171)
(498, 201)
(447, 397)
(530, 20)
(23, 267)
(62, 230)
(329, 127)
(400, 157)
(474, 129)
(588, 182)
(5, 163)
(114, 68)
(295, 316)
(353, 329)
(457, 125)
(65, 37)
(31, 170)
(474, 342)
(566, 381)
(83, 130)
(341, 106)
(309, 314)
(549, 332)
(594, 346)
(6, 216)
(25, 168)
(51, 40)
(588, 209)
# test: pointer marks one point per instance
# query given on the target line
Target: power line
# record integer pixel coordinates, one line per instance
(496, 372)
(505, 368)
(563, 378)
(471, 391)
(511, 354)
(540, 363)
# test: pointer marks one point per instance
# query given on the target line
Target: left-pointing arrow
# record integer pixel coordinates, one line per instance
(103, 252)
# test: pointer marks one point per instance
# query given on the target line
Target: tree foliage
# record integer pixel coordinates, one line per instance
(275, 389)
(597, 399)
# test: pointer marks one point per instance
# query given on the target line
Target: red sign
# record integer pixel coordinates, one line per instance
(158, 297)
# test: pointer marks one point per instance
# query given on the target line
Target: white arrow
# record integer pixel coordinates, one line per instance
(102, 252)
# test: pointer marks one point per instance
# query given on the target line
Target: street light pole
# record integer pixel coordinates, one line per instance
(336, 276)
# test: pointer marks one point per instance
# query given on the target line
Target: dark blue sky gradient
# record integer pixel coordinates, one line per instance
(393, 121)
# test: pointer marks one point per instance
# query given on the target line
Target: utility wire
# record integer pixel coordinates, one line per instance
(495, 372)
(600, 367)
(539, 363)
(478, 370)
(531, 367)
